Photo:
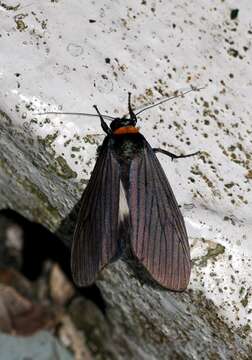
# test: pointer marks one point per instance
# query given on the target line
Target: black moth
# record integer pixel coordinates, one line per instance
(128, 171)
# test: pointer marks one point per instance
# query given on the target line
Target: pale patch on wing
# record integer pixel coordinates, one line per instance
(123, 205)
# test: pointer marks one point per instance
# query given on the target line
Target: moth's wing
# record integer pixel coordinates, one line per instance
(158, 235)
(95, 240)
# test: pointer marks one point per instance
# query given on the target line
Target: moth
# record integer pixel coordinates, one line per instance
(128, 180)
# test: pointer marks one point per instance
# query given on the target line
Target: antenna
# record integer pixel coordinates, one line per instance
(170, 98)
(75, 113)
(108, 117)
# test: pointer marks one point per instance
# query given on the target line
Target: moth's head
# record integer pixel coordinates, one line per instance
(124, 125)
(118, 123)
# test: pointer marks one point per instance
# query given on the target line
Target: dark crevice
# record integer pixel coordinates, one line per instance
(39, 245)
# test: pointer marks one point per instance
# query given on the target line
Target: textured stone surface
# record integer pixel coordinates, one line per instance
(156, 324)
(62, 55)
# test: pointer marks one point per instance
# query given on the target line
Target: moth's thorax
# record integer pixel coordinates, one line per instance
(127, 145)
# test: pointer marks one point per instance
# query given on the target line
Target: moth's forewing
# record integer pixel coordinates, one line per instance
(158, 235)
(96, 236)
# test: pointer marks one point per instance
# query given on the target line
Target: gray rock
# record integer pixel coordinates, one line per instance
(41, 346)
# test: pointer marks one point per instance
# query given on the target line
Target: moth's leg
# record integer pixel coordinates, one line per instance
(131, 112)
(173, 156)
(104, 126)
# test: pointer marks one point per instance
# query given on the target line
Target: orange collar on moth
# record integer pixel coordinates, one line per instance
(126, 130)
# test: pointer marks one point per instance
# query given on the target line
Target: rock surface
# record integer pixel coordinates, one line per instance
(62, 56)
(41, 346)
